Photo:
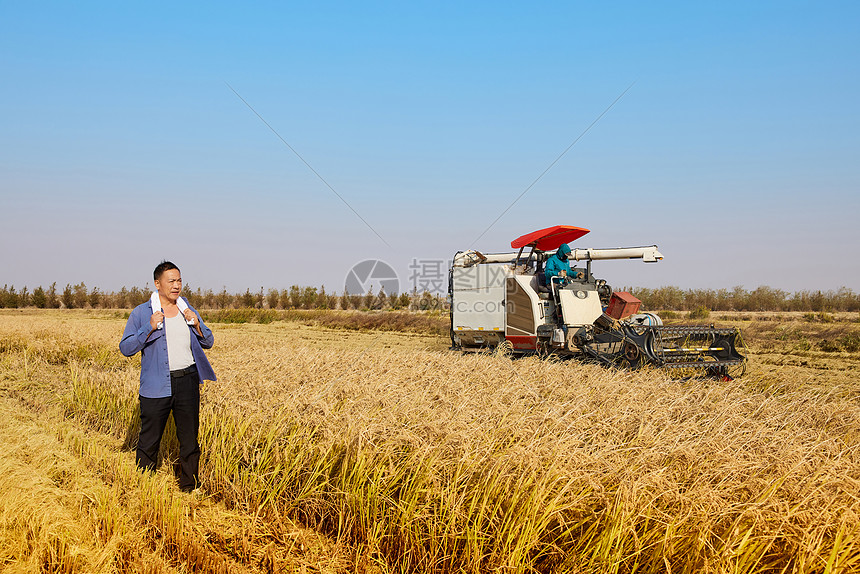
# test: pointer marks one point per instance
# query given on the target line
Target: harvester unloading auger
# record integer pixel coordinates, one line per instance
(505, 299)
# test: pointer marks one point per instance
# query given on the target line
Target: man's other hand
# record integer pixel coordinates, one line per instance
(157, 317)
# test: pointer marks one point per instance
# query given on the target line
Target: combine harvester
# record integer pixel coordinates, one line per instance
(503, 299)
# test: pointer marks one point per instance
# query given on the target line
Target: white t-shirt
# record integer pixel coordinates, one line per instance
(178, 342)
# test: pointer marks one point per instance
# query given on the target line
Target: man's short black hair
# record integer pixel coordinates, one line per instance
(161, 268)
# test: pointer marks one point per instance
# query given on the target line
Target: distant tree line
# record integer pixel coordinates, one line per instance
(79, 296)
(739, 299)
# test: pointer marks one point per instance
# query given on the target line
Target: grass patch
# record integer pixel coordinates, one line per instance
(699, 313)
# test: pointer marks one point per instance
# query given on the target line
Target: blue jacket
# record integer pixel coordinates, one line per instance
(154, 368)
(555, 265)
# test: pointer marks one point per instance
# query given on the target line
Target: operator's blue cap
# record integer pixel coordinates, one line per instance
(564, 248)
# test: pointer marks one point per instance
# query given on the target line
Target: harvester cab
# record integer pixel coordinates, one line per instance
(506, 299)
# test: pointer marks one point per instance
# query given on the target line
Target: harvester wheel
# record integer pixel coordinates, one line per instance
(632, 354)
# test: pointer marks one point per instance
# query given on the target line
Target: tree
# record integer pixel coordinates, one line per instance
(309, 297)
(369, 299)
(9, 297)
(194, 298)
(404, 301)
(247, 299)
(295, 297)
(95, 298)
(272, 298)
(136, 296)
(121, 299)
(322, 301)
(381, 300)
(80, 295)
(222, 299)
(344, 301)
(53, 301)
(67, 298)
(394, 301)
(39, 299)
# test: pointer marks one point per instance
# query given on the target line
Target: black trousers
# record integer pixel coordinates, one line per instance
(185, 405)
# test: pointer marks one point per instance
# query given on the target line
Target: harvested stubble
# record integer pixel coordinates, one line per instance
(402, 321)
(429, 461)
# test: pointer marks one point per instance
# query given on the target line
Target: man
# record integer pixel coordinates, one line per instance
(172, 367)
(557, 265)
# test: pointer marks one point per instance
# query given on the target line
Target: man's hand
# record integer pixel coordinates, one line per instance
(562, 274)
(157, 317)
(191, 319)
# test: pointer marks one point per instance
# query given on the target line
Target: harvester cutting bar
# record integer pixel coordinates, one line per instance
(701, 364)
(679, 331)
(694, 349)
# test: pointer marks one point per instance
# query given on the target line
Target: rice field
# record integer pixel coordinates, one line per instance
(332, 450)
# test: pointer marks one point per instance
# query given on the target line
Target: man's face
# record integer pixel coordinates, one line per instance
(169, 285)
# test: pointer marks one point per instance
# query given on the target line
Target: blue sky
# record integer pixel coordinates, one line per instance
(121, 144)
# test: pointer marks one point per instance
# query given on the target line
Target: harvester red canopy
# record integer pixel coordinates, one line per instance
(550, 238)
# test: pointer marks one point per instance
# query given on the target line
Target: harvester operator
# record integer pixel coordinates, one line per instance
(557, 265)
